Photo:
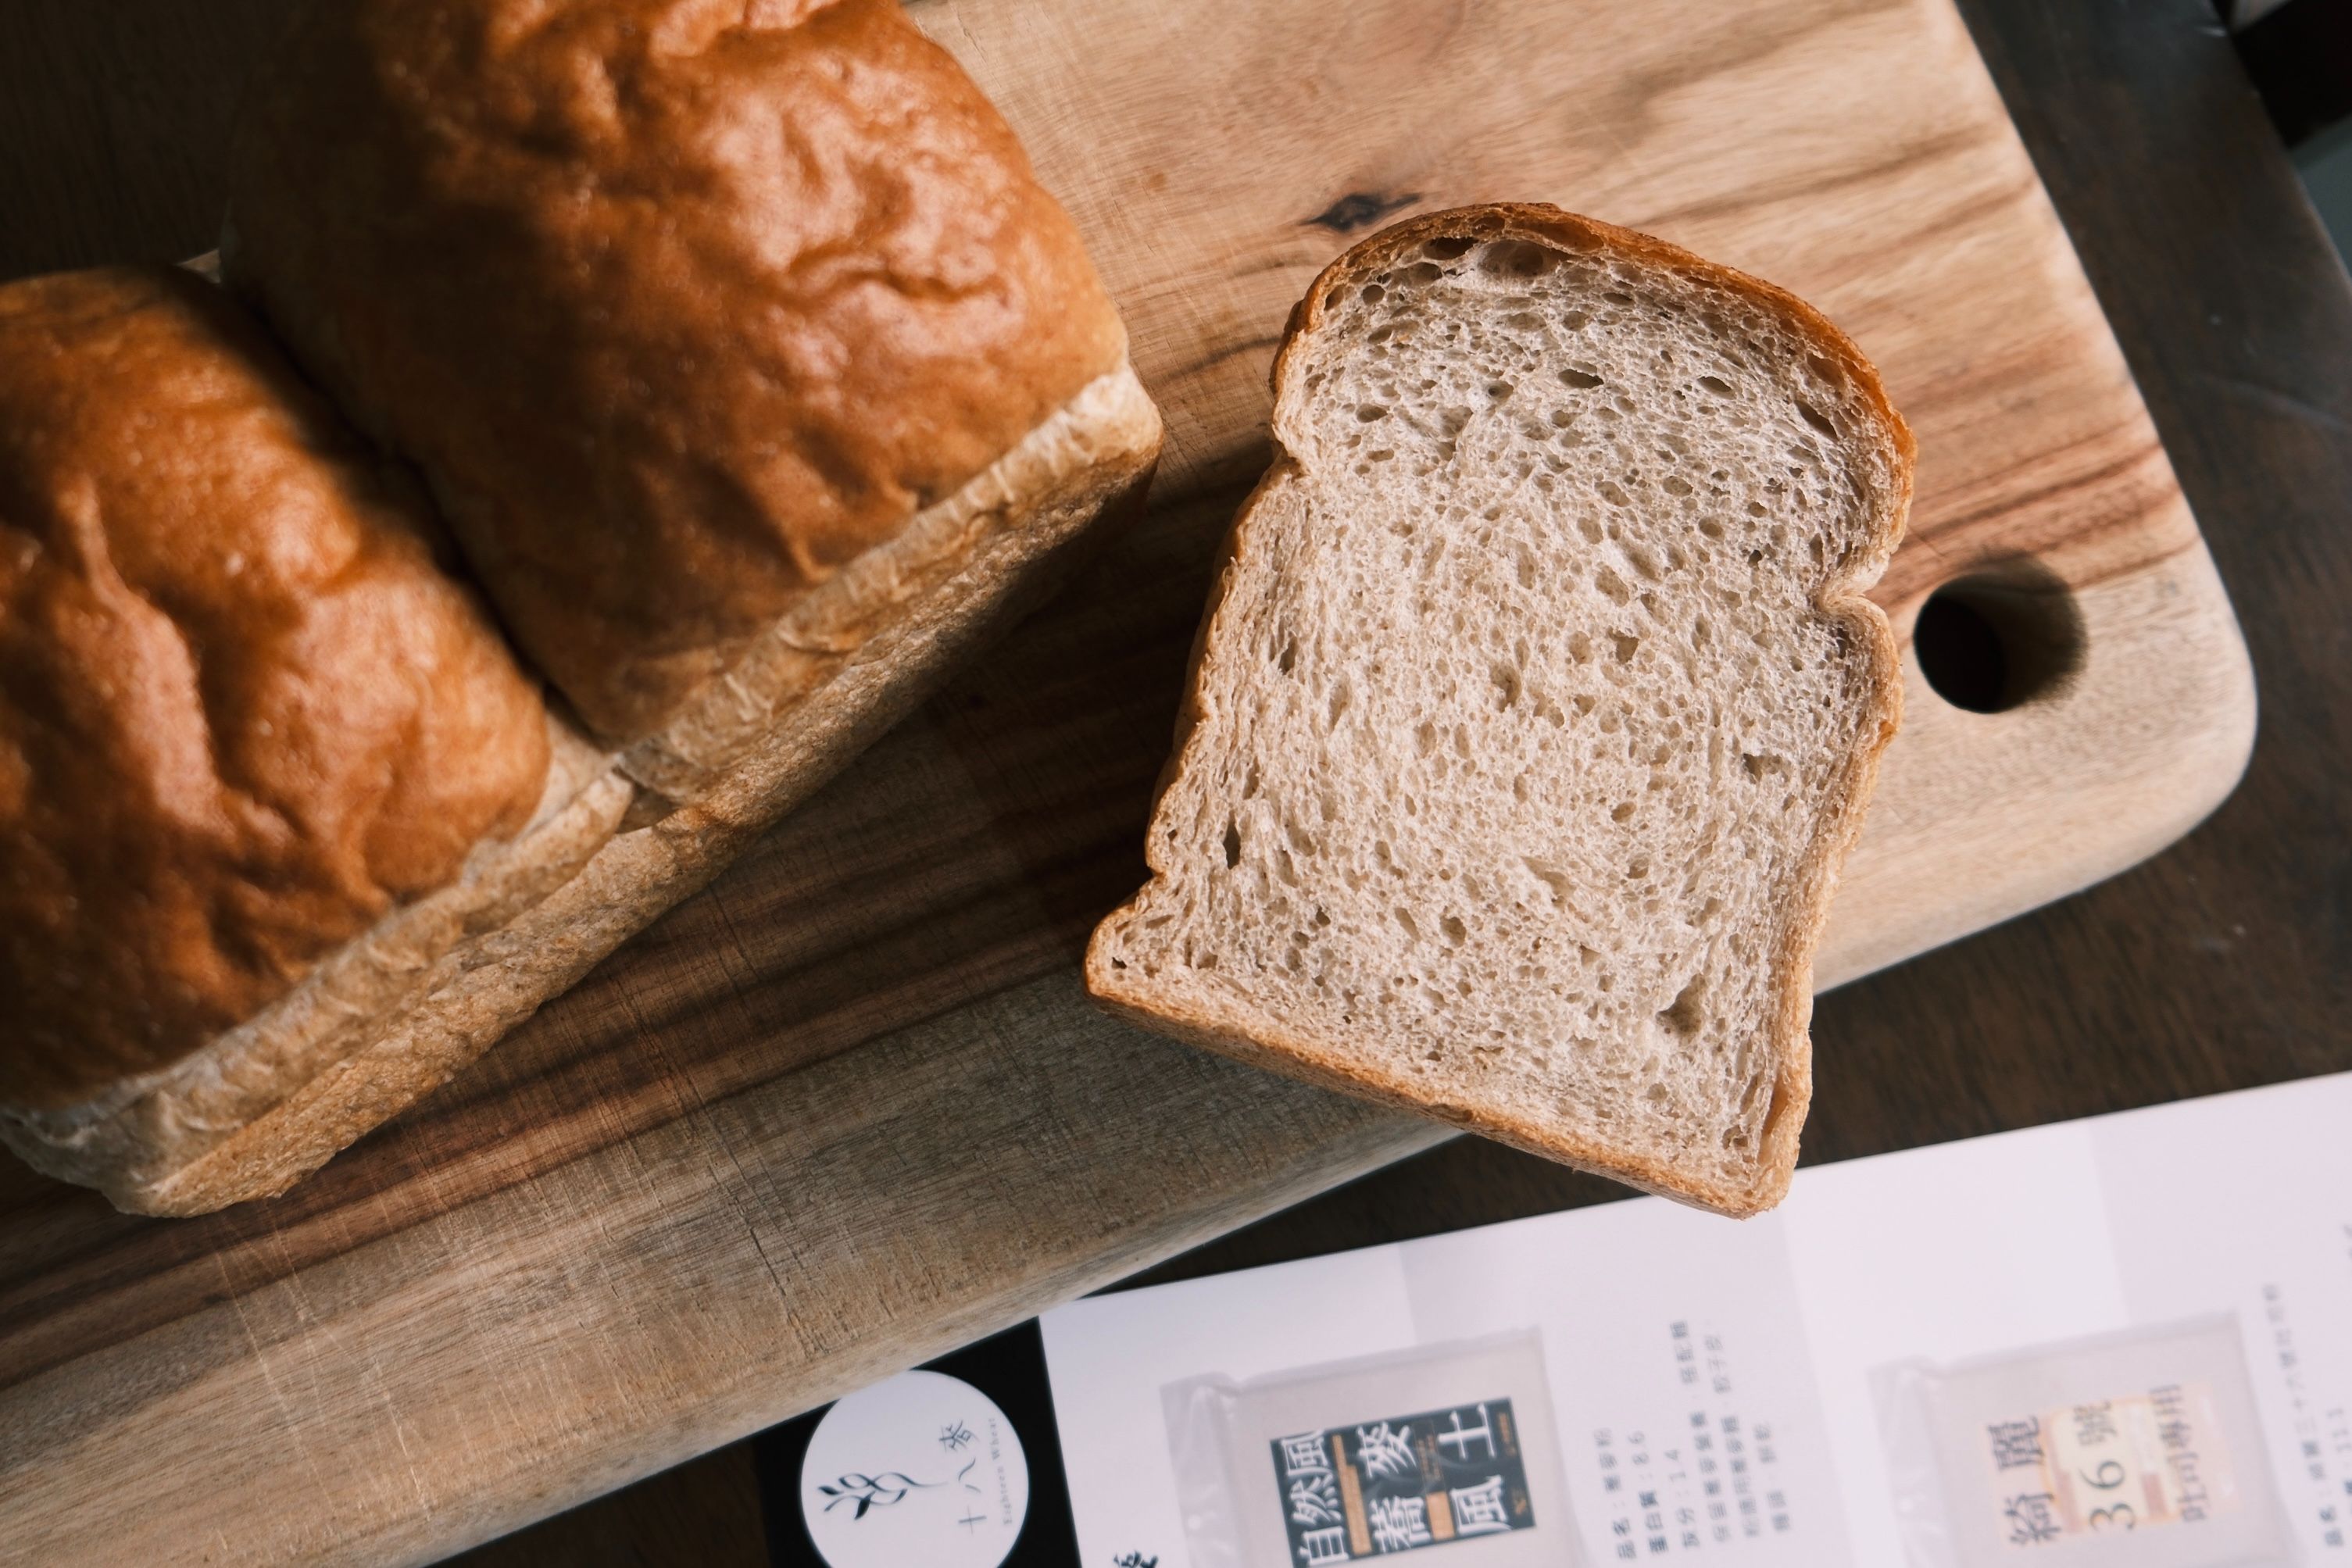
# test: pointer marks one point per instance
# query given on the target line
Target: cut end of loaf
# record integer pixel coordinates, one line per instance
(1538, 705)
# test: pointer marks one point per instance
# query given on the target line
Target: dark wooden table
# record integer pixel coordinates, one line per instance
(2225, 963)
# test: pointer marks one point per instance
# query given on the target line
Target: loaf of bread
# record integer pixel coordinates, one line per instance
(682, 309)
(1537, 703)
(755, 379)
(261, 760)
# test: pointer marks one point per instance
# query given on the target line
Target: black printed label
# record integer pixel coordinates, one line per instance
(1379, 1486)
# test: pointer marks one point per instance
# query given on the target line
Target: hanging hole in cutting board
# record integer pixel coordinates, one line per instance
(1999, 639)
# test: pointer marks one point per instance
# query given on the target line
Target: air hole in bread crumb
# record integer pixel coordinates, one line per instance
(1582, 381)
(1626, 646)
(1233, 844)
(1373, 294)
(1815, 418)
(1445, 248)
(1455, 932)
(1518, 259)
(1369, 412)
(1423, 273)
(1717, 385)
(1688, 1010)
(1622, 812)
(1405, 918)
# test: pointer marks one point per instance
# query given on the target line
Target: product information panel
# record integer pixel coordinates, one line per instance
(2123, 1342)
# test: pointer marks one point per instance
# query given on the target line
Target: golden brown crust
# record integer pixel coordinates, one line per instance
(680, 306)
(392, 1015)
(242, 711)
(796, 660)
(1220, 1018)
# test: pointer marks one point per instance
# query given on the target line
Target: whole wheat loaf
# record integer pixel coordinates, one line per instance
(756, 391)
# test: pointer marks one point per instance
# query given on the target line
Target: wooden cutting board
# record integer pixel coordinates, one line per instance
(849, 1108)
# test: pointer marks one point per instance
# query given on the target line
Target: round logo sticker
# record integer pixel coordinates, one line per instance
(922, 1469)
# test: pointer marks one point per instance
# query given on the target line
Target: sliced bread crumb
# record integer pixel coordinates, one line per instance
(1537, 704)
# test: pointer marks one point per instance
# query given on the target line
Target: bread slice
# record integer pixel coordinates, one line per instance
(398, 1012)
(1537, 703)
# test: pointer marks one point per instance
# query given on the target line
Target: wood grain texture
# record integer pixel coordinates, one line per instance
(681, 1205)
